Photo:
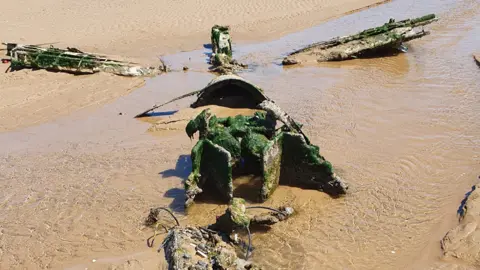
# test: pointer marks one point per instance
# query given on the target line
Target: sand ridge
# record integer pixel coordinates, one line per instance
(138, 30)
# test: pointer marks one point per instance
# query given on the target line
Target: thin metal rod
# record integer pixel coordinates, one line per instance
(170, 212)
(249, 243)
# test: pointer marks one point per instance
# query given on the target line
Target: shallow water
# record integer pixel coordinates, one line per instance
(402, 130)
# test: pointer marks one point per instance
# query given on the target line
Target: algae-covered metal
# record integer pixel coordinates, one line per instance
(221, 40)
(391, 35)
(221, 59)
(71, 60)
(252, 145)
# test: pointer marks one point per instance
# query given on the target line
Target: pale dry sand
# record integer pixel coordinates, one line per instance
(138, 29)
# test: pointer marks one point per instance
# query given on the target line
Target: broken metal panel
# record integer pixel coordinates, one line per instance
(194, 181)
(272, 164)
(211, 166)
(391, 35)
(303, 166)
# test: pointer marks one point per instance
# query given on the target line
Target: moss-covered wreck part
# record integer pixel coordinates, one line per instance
(211, 166)
(272, 164)
(303, 166)
(221, 59)
(391, 35)
(71, 60)
(250, 145)
(221, 40)
(219, 149)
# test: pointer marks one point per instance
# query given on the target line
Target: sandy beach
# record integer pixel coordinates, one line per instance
(137, 30)
(78, 174)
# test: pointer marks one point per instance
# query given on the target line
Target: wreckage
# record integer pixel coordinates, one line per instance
(215, 246)
(221, 59)
(71, 60)
(387, 37)
(246, 145)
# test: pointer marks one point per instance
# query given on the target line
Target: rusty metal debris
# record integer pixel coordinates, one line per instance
(72, 60)
(216, 246)
(389, 36)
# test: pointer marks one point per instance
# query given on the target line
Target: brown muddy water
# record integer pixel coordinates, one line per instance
(402, 130)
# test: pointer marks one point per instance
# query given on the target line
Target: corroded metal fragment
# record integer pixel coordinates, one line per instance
(73, 60)
(389, 36)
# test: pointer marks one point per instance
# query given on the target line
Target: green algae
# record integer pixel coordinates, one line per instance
(251, 145)
(221, 40)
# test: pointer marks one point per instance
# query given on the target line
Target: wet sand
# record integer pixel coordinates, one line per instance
(402, 130)
(140, 31)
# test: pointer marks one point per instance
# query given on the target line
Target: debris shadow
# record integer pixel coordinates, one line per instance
(166, 113)
(182, 170)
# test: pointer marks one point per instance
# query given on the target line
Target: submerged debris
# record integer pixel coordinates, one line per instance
(216, 246)
(72, 60)
(389, 36)
(236, 217)
(201, 249)
(221, 58)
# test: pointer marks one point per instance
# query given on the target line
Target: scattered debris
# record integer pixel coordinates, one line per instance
(216, 246)
(476, 58)
(72, 60)
(236, 217)
(202, 249)
(153, 220)
(389, 36)
(462, 241)
(221, 58)
(185, 68)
